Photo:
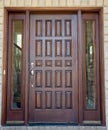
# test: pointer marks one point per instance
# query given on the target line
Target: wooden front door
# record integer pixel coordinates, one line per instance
(53, 65)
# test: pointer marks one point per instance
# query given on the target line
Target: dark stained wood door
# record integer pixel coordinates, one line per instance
(53, 95)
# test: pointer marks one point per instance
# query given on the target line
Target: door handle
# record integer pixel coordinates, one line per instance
(32, 74)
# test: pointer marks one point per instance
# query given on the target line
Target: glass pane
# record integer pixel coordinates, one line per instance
(90, 83)
(17, 63)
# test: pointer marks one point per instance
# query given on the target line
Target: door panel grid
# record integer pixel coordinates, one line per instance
(53, 49)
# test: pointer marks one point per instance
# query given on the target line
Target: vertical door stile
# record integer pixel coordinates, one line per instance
(27, 53)
(80, 62)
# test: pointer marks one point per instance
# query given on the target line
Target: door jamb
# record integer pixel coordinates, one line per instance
(102, 74)
(27, 67)
(4, 70)
(80, 108)
(27, 10)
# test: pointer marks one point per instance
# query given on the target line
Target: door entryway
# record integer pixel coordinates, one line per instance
(53, 64)
(53, 68)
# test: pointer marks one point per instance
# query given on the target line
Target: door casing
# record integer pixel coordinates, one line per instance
(27, 12)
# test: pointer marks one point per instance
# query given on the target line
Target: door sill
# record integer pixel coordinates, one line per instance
(53, 124)
(14, 123)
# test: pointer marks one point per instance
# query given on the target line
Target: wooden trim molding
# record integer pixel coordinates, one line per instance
(54, 9)
(102, 78)
(27, 66)
(80, 66)
(4, 75)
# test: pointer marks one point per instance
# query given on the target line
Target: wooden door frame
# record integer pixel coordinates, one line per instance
(79, 11)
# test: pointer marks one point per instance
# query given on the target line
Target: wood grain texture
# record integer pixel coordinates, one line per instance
(55, 86)
(102, 67)
(4, 67)
(27, 67)
(80, 63)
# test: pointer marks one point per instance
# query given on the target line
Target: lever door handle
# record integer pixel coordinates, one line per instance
(32, 73)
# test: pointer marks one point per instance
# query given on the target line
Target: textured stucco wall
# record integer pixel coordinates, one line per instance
(58, 3)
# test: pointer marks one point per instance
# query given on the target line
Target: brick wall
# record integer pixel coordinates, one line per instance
(59, 3)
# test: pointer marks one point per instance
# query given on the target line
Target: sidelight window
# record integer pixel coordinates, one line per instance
(91, 68)
(16, 54)
(17, 63)
(90, 58)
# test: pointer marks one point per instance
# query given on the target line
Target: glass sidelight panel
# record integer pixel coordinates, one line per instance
(90, 64)
(17, 63)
